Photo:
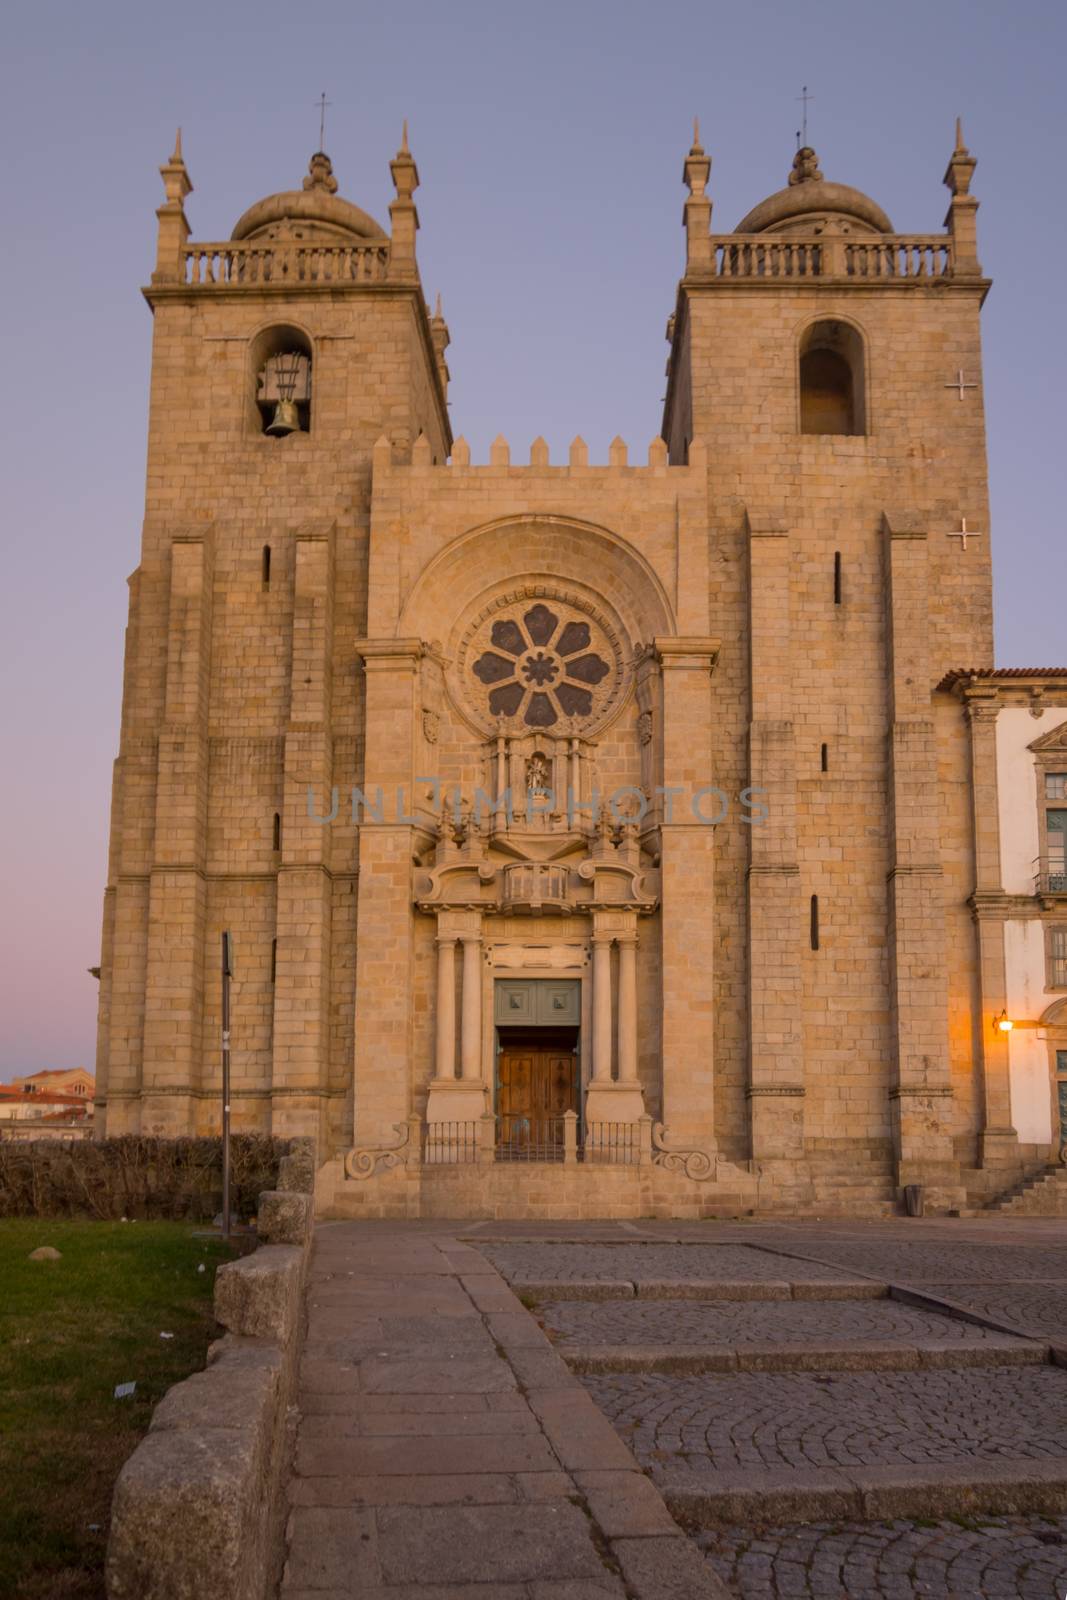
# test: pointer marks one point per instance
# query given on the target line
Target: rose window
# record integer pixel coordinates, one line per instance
(541, 666)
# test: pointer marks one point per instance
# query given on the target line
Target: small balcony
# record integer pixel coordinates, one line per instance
(1050, 878)
(535, 887)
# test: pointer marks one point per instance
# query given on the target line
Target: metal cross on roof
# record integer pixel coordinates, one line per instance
(804, 97)
(322, 103)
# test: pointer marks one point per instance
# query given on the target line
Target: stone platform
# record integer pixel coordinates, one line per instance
(833, 1412)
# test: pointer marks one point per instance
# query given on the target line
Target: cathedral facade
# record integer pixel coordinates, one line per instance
(646, 837)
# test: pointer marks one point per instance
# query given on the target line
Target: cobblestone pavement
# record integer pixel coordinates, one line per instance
(732, 1322)
(650, 1263)
(941, 1263)
(1039, 1307)
(1001, 1558)
(765, 1419)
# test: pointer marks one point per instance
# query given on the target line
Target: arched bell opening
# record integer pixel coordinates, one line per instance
(832, 379)
(281, 382)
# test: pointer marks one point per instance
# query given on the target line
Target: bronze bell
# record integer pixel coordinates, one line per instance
(286, 419)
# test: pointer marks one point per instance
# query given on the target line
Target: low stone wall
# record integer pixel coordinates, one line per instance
(195, 1507)
(521, 1190)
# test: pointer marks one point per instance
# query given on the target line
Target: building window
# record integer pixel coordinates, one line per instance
(1056, 785)
(266, 566)
(1056, 838)
(1057, 949)
(832, 379)
(814, 922)
(837, 577)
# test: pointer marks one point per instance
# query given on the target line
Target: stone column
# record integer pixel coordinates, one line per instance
(628, 1010)
(301, 1032)
(998, 1140)
(177, 893)
(602, 1008)
(384, 951)
(446, 1007)
(463, 1098)
(471, 1019)
(608, 1099)
(687, 879)
(775, 926)
(920, 1091)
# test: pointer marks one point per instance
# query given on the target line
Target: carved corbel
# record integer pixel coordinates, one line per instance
(372, 1159)
(697, 1165)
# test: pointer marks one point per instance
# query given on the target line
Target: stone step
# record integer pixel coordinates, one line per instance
(909, 1424)
(830, 1288)
(875, 1493)
(858, 1356)
(1044, 1194)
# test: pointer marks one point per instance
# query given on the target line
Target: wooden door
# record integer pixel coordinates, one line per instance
(537, 1084)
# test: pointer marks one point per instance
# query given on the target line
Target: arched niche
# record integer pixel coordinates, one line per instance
(279, 370)
(832, 378)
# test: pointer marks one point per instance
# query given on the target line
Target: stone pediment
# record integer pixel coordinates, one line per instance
(1054, 739)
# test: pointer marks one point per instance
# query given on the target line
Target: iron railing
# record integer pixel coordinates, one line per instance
(449, 1143)
(523, 1138)
(1051, 875)
(615, 1144)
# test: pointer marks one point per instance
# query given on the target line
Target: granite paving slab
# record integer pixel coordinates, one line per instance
(444, 1451)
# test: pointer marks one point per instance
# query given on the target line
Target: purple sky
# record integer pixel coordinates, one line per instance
(550, 143)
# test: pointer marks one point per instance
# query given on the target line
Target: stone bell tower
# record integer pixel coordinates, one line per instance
(279, 356)
(832, 368)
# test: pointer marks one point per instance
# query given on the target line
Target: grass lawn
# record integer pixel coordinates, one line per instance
(70, 1330)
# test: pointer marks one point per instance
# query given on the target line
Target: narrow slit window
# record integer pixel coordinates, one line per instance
(824, 758)
(266, 565)
(814, 922)
(837, 577)
(273, 960)
(277, 831)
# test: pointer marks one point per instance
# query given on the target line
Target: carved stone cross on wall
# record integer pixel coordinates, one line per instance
(963, 533)
(959, 385)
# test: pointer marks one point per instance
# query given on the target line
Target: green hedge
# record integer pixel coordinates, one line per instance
(134, 1176)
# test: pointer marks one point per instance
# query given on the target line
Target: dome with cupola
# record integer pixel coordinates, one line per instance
(315, 212)
(808, 204)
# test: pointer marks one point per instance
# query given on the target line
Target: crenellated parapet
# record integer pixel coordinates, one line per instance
(577, 458)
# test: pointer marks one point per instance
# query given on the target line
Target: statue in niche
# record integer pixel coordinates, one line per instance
(538, 775)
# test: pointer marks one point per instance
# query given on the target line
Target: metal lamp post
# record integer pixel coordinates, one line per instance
(227, 973)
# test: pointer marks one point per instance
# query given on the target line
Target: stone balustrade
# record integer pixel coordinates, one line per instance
(536, 885)
(234, 264)
(883, 257)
